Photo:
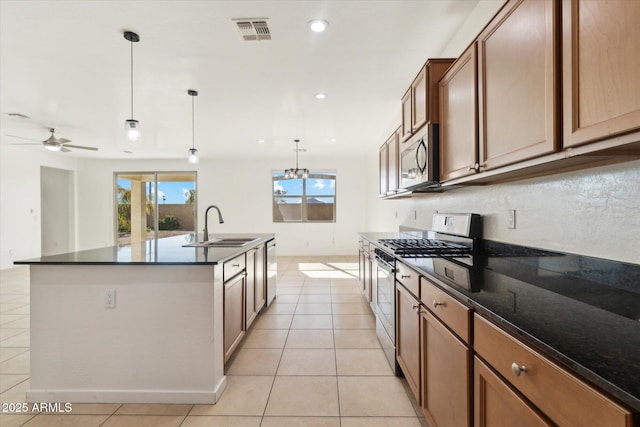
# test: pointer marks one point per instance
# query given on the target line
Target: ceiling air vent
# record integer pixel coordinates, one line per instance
(253, 28)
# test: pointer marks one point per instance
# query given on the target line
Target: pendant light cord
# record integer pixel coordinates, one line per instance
(193, 123)
(131, 80)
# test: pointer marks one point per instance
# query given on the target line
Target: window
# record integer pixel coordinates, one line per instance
(310, 199)
(151, 205)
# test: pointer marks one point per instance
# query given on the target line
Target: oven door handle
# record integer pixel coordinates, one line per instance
(385, 265)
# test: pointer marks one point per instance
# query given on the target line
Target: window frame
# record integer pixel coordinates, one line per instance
(318, 174)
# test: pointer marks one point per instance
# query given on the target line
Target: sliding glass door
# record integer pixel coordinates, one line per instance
(152, 205)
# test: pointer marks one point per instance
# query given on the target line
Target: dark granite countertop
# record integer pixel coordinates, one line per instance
(165, 251)
(581, 312)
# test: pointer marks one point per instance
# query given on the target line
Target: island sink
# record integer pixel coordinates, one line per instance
(228, 242)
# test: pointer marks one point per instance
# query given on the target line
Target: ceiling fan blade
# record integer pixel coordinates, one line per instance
(26, 143)
(22, 137)
(65, 150)
(81, 147)
(61, 140)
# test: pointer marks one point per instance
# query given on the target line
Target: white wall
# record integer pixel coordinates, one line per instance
(593, 212)
(20, 211)
(57, 222)
(242, 190)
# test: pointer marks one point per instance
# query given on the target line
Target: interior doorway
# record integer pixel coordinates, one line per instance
(57, 211)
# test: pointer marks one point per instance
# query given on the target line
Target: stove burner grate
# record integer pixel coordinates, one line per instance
(425, 247)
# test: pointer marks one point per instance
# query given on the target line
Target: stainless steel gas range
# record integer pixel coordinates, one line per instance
(450, 246)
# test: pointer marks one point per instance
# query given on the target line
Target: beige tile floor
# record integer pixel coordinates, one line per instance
(310, 359)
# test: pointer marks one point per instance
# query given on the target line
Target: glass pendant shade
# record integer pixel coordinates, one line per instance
(193, 156)
(132, 127)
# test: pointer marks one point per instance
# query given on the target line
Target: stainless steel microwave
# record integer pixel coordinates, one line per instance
(419, 162)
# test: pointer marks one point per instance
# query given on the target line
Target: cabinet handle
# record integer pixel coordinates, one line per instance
(235, 265)
(517, 369)
(437, 303)
(475, 167)
(405, 276)
(416, 307)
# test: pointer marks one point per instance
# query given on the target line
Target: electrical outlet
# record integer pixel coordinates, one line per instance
(109, 298)
(512, 219)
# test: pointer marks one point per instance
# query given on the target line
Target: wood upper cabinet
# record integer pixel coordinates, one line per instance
(517, 83)
(497, 404)
(459, 114)
(446, 377)
(383, 170)
(601, 69)
(420, 103)
(389, 167)
(406, 127)
(408, 338)
(393, 167)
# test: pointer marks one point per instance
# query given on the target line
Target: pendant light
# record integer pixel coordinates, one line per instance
(193, 152)
(132, 126)
(293, 173)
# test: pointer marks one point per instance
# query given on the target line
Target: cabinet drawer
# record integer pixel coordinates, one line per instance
(561, 396)
(409, 278)
(452, 313)
(233, 267)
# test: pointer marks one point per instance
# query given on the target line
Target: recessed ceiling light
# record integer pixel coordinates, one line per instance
(320, 95)
(261, 141)
(318, 25)
(333, 140)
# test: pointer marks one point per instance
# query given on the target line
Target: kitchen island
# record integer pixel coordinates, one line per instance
(140, 323)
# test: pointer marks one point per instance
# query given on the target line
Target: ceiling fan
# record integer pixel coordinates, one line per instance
(54, 144)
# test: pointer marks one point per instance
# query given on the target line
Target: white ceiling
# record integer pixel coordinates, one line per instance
(66, 64)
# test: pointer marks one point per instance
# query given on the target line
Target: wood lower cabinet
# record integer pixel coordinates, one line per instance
(408, 337)
(459, 118)
(260, 278)
(497, 404)
(601, 69)
(234, 318)
(250, 311)
(517, 87)
(446, 375)
(559, 395)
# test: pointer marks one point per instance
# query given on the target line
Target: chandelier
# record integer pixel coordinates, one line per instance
(297, 172)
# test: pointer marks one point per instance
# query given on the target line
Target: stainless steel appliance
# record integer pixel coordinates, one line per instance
(272, 270)
(419, 161)
(445, 251)
(385, 304)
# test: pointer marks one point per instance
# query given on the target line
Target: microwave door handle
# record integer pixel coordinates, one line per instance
(422, 167)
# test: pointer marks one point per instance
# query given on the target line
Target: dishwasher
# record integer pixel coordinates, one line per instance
(272, 270)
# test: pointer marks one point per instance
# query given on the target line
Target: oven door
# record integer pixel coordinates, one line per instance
(385, 309)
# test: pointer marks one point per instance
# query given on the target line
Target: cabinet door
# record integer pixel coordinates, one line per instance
(406, 116)
(446, 375)
(384, 170)
(459, 118)
(250, 292)
(496, 404)
(419, 95)
(261, 284)
(233, 314)
(408, 338)
(601, 69)
(517, 88)
(392, 163)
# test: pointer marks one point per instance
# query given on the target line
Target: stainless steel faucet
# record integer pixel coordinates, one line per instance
(206, 221)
